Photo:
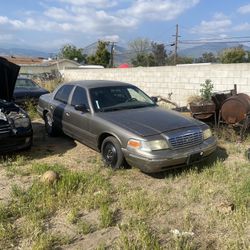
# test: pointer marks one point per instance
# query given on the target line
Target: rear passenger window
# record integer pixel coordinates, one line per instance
(63, 93)
(79, 97)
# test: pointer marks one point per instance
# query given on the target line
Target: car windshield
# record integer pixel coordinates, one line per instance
(26, 83)
(118, 98)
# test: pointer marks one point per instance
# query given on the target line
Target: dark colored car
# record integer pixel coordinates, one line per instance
(15, 125)
(125, 124)
(27, 90)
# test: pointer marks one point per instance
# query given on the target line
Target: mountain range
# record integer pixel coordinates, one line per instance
(23, 52)
(215, 48)
(121, 54)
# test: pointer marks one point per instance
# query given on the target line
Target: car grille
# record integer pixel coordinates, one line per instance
(4, 128)
(186, 140)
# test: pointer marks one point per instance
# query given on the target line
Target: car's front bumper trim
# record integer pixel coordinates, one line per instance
(172, 158)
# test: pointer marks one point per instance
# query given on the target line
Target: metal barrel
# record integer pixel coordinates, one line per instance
(235, 108)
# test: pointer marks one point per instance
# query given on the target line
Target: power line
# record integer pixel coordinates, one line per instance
(202, 42)
(90, 45)
(178, 43)
(217, 39)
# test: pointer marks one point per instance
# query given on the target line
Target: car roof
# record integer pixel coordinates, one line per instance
(98, 83)
(23, 77)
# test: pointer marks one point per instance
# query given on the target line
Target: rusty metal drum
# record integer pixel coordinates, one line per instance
(235, 108)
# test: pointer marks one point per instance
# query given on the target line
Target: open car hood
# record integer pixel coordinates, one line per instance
(8, 75)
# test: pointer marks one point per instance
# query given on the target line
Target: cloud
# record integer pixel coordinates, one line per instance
(92, 3)
(158, 9)
(219, 24)
(245, 9)
(99, 16)
(55, 43)
(57, 13)
(111, 38)
(6, 37)
(93, 19)
(242, 27)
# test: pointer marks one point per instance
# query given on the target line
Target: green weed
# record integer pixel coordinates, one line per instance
(73, 216)
(140, 202)
(47, 241)
(30, 107)
(137, 235)
(106, 216)
(84, 227)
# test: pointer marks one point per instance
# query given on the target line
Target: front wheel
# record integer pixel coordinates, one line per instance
(111, 153)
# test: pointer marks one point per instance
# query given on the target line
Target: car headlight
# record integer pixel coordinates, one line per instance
(147, 145)
(207, 133)
(22, 122)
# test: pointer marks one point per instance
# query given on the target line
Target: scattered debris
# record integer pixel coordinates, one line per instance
(226, 207)
(50, 177)
(166, 100)
(97, 193)
(236, 111)
(177, 233)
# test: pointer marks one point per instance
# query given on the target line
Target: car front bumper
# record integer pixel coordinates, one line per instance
(159, 161)
(12, 142)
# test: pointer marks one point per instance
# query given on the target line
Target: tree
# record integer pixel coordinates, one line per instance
(159, 53)
(247, 56)
(206, 58)
(145, 60)
(71, 52)
(233, 55)
(140, 46)
(102, 55)
(180, 60)
(140, 49)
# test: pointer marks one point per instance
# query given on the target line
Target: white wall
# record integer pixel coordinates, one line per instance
(182, 80)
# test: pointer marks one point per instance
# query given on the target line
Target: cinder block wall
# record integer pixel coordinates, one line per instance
(181, 80)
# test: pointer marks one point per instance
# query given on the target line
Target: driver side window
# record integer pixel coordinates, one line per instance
(63, 93)
(79, 97)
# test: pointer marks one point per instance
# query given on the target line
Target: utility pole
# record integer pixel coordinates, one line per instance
(112, 50)
(176, 44)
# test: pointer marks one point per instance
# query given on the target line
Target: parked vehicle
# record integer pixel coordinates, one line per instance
(15, 125)
(125, 124)
(27, 90)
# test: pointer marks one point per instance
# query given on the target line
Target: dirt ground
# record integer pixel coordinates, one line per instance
(183, 203)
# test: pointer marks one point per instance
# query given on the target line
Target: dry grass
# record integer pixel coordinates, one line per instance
(50, 85)
(93, 207)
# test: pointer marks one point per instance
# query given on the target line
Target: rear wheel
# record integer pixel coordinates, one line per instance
(49, 125)
(111, 153)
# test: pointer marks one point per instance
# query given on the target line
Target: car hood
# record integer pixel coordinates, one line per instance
(33, 92)
(8, 75)
(149, 121)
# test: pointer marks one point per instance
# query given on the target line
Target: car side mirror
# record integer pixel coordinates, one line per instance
(82, 107)
(154, 99)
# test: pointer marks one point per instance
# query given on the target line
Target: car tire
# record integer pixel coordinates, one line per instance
(49, 125)
(112, 154)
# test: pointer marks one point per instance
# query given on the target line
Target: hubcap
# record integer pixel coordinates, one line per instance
(49, 120)
(110, 154)
(48, 124)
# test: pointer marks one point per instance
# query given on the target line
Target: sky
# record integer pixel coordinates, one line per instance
(49, 24)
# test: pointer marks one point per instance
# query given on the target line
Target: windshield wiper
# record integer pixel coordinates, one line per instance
(141, 106)
(116, 108)
(113, 108)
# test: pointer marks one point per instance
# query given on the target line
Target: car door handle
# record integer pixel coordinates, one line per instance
(67, 114)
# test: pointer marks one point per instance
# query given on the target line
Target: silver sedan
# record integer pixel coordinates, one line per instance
(125, 125)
